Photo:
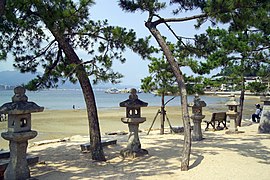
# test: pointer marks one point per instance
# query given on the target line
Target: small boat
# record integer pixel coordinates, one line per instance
(112, 91)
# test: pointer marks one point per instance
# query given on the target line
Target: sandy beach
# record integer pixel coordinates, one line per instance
(55, 124)
(218, 156)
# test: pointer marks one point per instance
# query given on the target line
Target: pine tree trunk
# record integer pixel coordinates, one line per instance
(181, 84)
(242, 96)
(162, 115)
(94, 130)
(241, 108)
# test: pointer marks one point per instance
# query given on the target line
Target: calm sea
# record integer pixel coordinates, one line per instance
(65, 99)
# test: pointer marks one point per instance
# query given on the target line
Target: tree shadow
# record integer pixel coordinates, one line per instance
(66, 161)
(247, 146)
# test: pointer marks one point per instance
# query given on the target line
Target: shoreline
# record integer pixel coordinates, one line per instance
(227, 93)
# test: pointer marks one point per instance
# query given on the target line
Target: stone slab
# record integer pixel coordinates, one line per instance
(86, 147)
(4, 154)
(128, 153)
(177, 129)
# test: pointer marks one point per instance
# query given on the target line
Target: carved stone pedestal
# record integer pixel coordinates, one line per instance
(18, 166)
(197, 128)
(133, 148)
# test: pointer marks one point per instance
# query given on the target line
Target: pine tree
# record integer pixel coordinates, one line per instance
(48, 34)
(216, 12)
(162, 81)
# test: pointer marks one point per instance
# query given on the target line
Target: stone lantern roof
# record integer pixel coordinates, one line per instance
(20, 104)
(133, 101)
(232, 101)
(197, 102)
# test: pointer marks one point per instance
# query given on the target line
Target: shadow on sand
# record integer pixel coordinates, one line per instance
(66, 160)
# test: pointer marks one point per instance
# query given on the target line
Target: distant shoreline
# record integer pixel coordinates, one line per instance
(227, 93)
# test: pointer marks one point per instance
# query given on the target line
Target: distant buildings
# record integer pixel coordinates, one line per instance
(6, 87)
(229, 85)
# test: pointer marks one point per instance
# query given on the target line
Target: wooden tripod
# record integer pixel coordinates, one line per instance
(163, 115)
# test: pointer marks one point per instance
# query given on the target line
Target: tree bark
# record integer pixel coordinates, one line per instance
(242, 96)
(241, 108)
(162, 114)
(181, 84)
(94, 130)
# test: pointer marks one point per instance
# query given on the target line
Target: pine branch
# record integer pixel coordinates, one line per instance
(261, 49)
(169, 100)
(167, 20)
(86, 34)
(42, 52)
(172, 31)
(2, 7)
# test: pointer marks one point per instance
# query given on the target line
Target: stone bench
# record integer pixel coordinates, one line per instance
(176, 129)
(4, 154)
(219, 118)
(86, 147)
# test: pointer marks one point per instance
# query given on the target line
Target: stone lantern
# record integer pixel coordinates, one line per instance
(264, 126)
(197, 117)
(232, 113)
(19, 132)
(133, 119)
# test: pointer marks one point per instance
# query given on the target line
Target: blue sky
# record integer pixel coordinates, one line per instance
(135, 68)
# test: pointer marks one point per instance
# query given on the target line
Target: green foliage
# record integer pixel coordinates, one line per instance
(213, 83)
(194, 84)
(219, 46)
(163, 81)
(142, 5)
(232, 47)
(257, 87)
(239, 52)
(161, 78)
(195, 88)
(28, 30)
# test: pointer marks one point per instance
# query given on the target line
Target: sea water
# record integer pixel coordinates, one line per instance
(60, 99)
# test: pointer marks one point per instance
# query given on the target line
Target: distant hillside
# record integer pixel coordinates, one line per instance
(14, 78)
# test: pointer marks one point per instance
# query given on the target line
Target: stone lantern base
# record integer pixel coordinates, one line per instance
(197, 130)
(18, 166)
(134, 146)
(264, 126)
(233, 127)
